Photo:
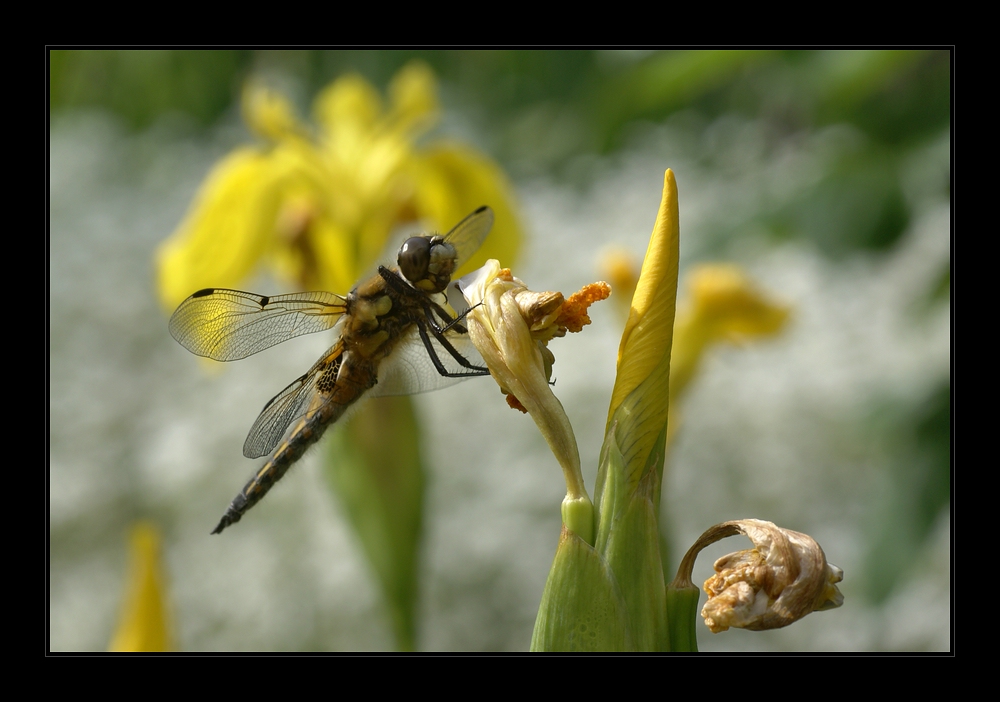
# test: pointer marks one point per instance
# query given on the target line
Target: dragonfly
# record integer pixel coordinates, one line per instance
(395, 335)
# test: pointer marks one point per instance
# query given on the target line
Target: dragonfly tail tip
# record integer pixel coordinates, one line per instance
(223, 523)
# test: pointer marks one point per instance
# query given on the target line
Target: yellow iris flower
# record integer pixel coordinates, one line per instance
(319, 205)
(722, 305)
(145, 619)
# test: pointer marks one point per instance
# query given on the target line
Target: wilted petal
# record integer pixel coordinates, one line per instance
(510, 326)
(499, 330)
(782, 579)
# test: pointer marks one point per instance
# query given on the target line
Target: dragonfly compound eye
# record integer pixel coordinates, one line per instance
(414, 257)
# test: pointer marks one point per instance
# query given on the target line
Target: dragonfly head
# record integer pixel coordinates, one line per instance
(427, 262)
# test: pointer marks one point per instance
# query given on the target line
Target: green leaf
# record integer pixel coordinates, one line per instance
(610, 484)
(633, 554)
(582, 608)
(374, 468)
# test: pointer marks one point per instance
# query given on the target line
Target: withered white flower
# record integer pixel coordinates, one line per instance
(511, 327)
(782, 579)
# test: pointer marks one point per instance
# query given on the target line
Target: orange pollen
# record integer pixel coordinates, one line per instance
(573, 315)
(516, 404)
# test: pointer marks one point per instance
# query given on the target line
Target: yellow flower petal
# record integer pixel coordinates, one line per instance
(320, 210)
(348, 106)
(227, 231)
(268, 113)
(722, 304)
(413, 95)
(451, 180)
(729, 304)
(145, 623)
(622, 270)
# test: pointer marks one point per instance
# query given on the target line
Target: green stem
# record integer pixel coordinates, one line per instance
(682, 617)
(578, 516)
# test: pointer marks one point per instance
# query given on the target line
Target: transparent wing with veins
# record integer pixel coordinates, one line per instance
(227, 325)
(284, 408)
(409, 369)
(468, 235)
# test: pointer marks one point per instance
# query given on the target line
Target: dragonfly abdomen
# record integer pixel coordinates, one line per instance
(303, 436)
(351, 384)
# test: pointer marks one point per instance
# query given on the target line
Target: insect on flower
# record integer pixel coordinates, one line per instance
(396, 335)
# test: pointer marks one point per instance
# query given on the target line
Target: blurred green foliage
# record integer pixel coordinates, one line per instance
(542, 111)
(140, 86)
(919, 438)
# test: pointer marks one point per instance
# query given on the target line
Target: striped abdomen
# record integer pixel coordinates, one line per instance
(332, 400)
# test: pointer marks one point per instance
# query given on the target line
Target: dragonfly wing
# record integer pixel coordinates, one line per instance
(409, 369)
(293, 402)
(468, 235)
(227, 325)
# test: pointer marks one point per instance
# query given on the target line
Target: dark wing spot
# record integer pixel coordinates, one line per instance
(263, 300)
(204, 293)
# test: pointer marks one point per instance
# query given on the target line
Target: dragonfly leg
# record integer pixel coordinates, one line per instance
(473, 371)
(450, 322)
(456, 322)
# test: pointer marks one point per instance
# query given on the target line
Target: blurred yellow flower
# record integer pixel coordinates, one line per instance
(145, 620)
(620, 267)
(722, 305)
(318, 205)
